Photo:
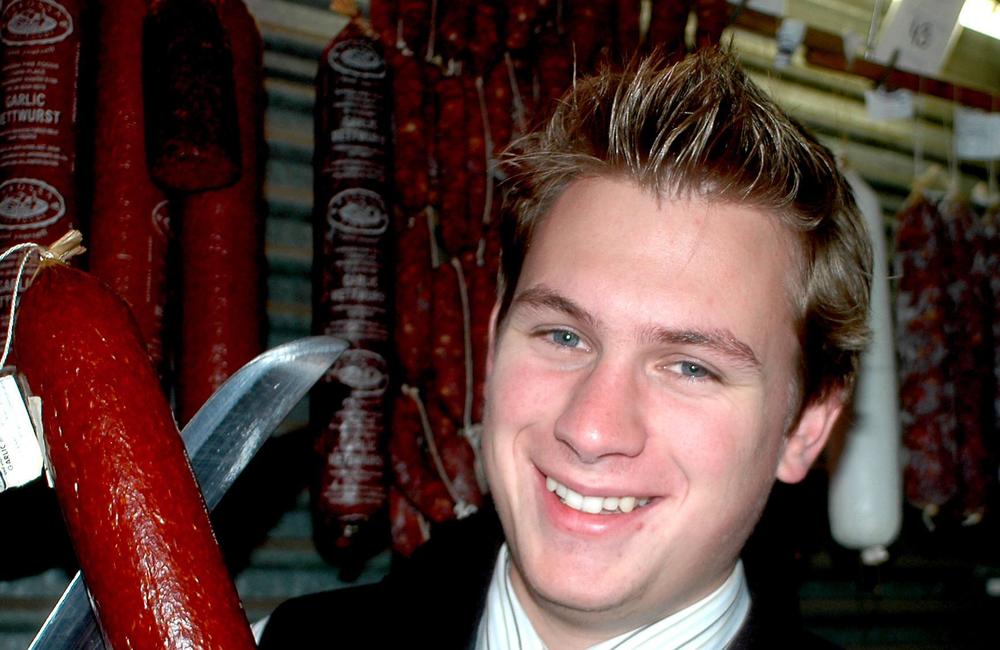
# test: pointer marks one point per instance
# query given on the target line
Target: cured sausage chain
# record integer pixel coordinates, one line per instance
(351, 237)
(38, 75)
(130, 500)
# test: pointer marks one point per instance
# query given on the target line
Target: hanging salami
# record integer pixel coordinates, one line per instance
(926, 396)
(132, 506)
(967, 345)
(666, 28)
(39, 60)
(222, 242)
(627, 22)
(416, 471)
(129, 218)
(713, 17)
(191, 126)
(351, 226)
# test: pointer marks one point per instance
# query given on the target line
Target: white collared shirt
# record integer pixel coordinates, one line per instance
(712, 622)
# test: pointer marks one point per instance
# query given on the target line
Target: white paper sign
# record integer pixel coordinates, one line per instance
(977, 134)
(885, 105)
(922, 31)
(789, 37)
(20, 455)
(772, 7)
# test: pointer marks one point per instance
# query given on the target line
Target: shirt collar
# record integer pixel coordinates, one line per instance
(712, 622)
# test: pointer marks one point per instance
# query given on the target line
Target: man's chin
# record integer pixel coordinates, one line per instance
(582, 601)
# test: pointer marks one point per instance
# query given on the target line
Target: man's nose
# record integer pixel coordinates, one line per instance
(602, 417)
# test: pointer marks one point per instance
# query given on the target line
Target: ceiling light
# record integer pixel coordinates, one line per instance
(982, 16)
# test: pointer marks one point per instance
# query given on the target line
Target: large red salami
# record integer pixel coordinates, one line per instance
(352, 240)
(131, 503)
(39, 59)
(129, 219)
(222, 242)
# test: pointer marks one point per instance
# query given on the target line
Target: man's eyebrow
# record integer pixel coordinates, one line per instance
(542, 297)
(719, 340)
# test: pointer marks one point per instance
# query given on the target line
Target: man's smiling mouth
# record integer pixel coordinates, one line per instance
(594, 504)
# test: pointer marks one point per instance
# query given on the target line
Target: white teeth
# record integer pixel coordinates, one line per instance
(593, 504)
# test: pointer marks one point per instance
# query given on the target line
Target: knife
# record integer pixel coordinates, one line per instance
(220, 439)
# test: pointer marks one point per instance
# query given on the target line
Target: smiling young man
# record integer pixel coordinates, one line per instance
(684, 292)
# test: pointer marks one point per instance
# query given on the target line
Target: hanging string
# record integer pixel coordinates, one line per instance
(28, 248)
(67, 246)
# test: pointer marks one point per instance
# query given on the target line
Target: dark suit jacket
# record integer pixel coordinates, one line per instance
(435, 600)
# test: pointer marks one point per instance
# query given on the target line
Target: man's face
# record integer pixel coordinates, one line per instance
(645, 366)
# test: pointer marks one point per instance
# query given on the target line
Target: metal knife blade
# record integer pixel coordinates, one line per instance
(220, 439)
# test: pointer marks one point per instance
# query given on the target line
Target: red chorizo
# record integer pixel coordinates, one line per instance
(131, 503)
(450, 154)
(667, 26)
(926, 399)
(713, 17)
(410, 147)
(520, 23)
(415, 474)
(627, 28)
(408, 527)
(414, 291)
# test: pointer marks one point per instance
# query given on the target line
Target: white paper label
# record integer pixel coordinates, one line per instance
(922, 31)
(20, 455)
(853, 44)
(789, 37)
(885, 105)
(977, 134)
(772, 7)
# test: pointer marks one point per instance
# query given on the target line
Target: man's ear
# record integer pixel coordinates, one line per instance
(806, 439)
(492, 337)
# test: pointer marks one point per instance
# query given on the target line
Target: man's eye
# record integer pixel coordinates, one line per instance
(692, 370)
(565, 338)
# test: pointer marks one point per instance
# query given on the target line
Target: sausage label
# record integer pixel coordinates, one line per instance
(357, 59)
(34, 22)
(29, 204)
(358, 211)
(20, 454)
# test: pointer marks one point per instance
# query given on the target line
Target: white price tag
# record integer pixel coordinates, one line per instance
(977, 134)
(20, 454)
(772, 7)
(789, 37)
(922, 31)
(885, 105)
